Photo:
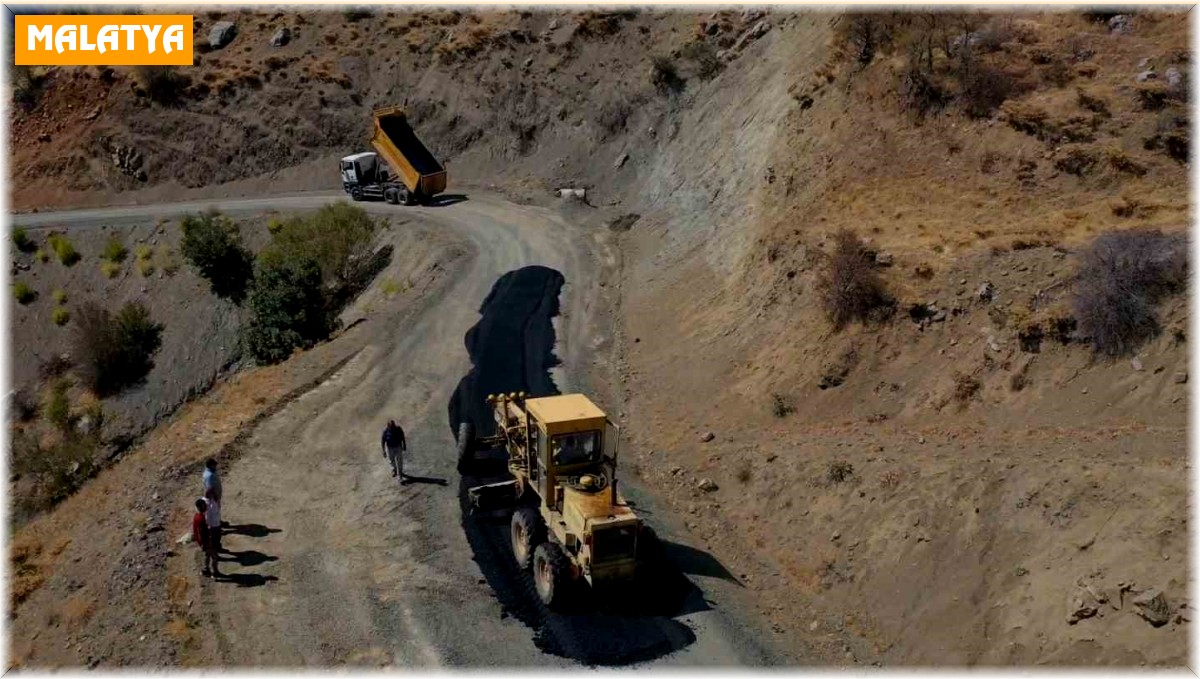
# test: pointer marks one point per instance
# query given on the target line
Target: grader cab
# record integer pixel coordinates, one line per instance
(569, 521)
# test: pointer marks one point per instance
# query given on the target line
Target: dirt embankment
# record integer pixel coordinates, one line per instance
(91, 579)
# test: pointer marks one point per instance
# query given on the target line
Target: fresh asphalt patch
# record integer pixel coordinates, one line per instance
(511, 348)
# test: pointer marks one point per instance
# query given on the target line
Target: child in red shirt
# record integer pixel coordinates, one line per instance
(203, 538)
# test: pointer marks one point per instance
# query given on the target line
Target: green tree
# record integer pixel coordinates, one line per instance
(212, 244)
(288, 304)
(115, 350)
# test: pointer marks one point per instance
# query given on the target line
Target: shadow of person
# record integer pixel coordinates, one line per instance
(251, 530)
(445, 199)
(407, 480)
(247, 579)
(249, 558)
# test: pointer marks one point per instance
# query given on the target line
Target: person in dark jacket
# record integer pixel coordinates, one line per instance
(394, 448)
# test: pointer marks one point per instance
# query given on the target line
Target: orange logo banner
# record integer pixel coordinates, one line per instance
(103, 40)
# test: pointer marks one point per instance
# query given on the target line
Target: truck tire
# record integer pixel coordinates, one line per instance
(551, 574)
(392, 196)
(466, 446)
(356, 194)
(528, 531)
(411, 198)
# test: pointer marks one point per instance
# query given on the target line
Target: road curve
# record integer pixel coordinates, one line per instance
(336, 563)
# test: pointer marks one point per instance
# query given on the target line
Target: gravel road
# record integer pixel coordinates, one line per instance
(333, 562)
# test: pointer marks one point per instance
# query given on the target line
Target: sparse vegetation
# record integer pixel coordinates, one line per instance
(1122, 277)
(849, 287)
(745, 472)
(58, 468)
(664, 75)
(110, 269)
(114, 251)
(58, 404)
(781, 406)
(212, 244)
(41, 256)
(59, 296)
(704, 56)
(23, 293)
(839, 471)
(24, 405)
(337, 237)
(162, 84)
(966, 387)
(60, 316)
(22, 241)
(115, 351)
(63, 249)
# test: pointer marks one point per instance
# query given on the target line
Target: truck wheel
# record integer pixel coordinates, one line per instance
(528, 532)
(411, 198)
(392, 196)
(551, 574)
(356, 194)
(466, 445)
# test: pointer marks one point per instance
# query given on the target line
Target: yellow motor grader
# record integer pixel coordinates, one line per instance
(570, 523)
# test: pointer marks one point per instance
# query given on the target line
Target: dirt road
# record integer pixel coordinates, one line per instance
(333, 562)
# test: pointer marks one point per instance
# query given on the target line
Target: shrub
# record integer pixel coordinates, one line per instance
(849, 287)
(965, 387)
(58, 470)
(63, 249)
(58, 405)
(781, 406)
(920, 93)
(1122, 277)
(60, 315)
(705, 58)
(55, 366)
(338, 237)
(59, 296)
(163, 84)
(41, 256)
(114, 251)
(288, 305)
(23, 293)
(839, 471)
(984, 89)
(24, 405)
(664, 75)
(115, 351)
(110, 269)
(26, 85)
(22, 241)
(167, 261)
(211, 243)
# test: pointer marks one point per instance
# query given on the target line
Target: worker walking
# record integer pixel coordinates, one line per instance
(394, 448)
(202, 536)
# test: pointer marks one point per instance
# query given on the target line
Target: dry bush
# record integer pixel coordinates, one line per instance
(163, 84)
(983, 88)
(920, 93)
(745, 472)
(664, 75)
(1092, 102)
(1152, 95)
(839, 471)
(1122, 277)
(705, 57)
(1077, 160)
(782, 406)
(966, 387)
(1119, 161)
(115, 351)
(849, 287)
(23, 405)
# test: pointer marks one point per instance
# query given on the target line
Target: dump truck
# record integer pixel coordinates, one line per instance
(569, 523)
(400, 170)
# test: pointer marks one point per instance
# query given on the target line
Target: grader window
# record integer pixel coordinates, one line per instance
(576, 448)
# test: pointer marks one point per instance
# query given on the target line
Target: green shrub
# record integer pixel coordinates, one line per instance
(58, 405)
(212, 245)
(115, 351)
(63, 249)
(167, 261)
(60, 315)
(59, 296)
(110, 269)
(22, 241)
(115, 251)
(337, 237)
(41, 256)
(143, 252)
(288, 305)
(58, 470)
(23, 293)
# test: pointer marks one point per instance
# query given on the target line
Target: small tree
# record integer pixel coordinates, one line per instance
(115, 351)
(289, 307)
(211, 243)
(337, 237)
(849, 287)
(22, 241)
(23, 293)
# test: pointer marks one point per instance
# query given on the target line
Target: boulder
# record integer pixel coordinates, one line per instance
(1181, 378)
(621, 161)
(1120, 25)
(1175, 80)
(986, 292)
(1146, 75)
(707, 485)
(221, 34)
(884, 258)
(282, 37)
(1080, 605)
(1152, 605)
(708, 436)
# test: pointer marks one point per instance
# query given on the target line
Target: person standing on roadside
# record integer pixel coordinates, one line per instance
(394, 448)
(212, 480)
(203, 539)
(212, 517)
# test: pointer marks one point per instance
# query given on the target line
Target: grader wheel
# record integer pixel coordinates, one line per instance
(528, 532)
(551, 574)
